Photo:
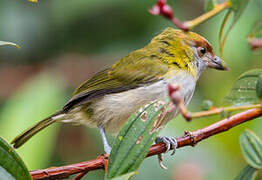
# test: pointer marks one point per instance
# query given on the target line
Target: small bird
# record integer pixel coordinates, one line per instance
(107, 99)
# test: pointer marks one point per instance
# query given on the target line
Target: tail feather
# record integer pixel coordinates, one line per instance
(27, 134)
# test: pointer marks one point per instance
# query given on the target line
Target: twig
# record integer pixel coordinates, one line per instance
(217, 9)
(174, 94)
(189, 139)
(80, 175)
(222, 39)
(163, 9)
(219, 110)
(68, 170)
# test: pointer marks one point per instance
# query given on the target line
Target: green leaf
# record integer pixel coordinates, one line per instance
(244, 89)
(237, 9)
(248, 173)
(11, 165)
(5, 43)
(125, 176)
(135, 138)
(259, 87)
(209, 5)
(251, 147)
(256, 31)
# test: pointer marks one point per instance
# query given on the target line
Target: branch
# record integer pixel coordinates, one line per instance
(189, 139)
(217, 9)
(163, 9)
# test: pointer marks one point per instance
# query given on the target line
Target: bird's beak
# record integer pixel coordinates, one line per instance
(217, 63)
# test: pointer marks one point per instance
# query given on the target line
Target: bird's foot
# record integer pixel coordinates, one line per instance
(170, 143)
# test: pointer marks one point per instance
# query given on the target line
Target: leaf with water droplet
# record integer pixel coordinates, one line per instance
(244, 89)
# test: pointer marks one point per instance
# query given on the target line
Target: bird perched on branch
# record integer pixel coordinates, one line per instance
(107, 99)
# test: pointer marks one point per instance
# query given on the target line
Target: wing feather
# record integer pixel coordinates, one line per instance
(126, 74)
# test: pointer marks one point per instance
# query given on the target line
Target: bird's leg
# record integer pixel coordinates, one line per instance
(107, 147)
(170, 143)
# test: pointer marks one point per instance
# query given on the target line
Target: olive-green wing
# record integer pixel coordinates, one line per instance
(126, 74)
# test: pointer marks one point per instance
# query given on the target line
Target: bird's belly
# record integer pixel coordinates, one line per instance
(113, 110)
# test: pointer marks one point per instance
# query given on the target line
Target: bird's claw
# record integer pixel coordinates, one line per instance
(160, 161)
(170, 143)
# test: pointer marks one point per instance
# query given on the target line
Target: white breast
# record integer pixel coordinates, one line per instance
(113, 110)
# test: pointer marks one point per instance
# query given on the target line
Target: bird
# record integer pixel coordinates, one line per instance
(109, 97)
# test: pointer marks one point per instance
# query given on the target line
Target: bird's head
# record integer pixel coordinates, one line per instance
(186, 50)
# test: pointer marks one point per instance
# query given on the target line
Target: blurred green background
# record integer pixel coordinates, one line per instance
(65, 42)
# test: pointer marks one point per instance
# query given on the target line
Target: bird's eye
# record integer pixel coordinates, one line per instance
(202, 50)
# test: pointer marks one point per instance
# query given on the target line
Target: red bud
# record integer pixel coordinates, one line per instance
(167, 11)
(161, 8)
(161, 3)
(172, 89)
(176, 97)
(155, 10)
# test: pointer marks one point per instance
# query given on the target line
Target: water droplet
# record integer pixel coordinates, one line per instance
(144, 116)
(139, 139)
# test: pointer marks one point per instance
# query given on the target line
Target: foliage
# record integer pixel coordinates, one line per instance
(12, 166)
(246, 89)
(125, 176)
(247, 173)
(135, 138)
(237, 8)
(210, 4)
(251, 146)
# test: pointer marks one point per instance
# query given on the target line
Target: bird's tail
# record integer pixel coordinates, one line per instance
(27, 134)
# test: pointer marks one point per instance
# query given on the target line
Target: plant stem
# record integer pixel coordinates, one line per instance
(221, 109)
(218, 8)
(221, 40)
